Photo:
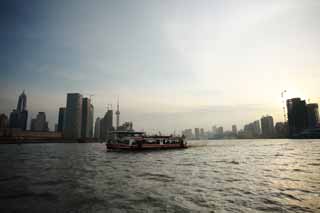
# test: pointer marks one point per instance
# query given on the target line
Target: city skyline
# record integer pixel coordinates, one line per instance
(174, 66)
(80, 111)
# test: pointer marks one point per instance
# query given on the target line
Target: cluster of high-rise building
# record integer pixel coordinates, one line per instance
(216, 132)
(301, 116)
(75, 120)
(39, 123)
(259, 128)
(18, 118)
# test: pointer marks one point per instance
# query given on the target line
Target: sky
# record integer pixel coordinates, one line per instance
(173, 64)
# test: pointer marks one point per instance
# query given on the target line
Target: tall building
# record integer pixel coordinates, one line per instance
(220, 131)
(19, 116)
(39, 123)
(73, 116)
(234, 129)
(3, 121)
(62, 112)
(201, 133)
(91, 114)
(14, 119)
(97, 128)
(281, 129)
(106, 124)
(86, 114)
(22, 102)
(252, 129)
(267, 126)
(197, 133)
(297, 115)
(256, 128)
(313, 115)
(214, 130)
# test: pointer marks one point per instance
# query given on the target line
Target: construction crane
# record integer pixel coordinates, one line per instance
(284, 106)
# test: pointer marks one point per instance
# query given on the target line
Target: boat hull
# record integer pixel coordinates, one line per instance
(145, 146)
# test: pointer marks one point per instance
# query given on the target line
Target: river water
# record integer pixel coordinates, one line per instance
(211, 176)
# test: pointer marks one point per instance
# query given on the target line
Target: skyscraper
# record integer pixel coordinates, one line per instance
(313, 115)
(267, 126)
(256, 128)
(85, 124)
(39, 123)
(91, 114)
(201, 133)
(220, 131)
(19, 117)
(234, 129)
(3, 121)
(97, 128)
(73, 116)
(62, 112)
(106, 124)
(197, 133)
(281, 129)
(297, 115)
(22, 102)
(14, 119)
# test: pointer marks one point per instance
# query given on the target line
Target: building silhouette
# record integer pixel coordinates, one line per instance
(201, 133)
(197, 133)
(267, 126)
(313, 115)
(106, 124)
(252, 130)
(297, 116)
(19, 116)
(39, 123)
(91, 114)
(97, 128)
(220, 131)
(234, 129)
(61, 119)
(87, 118)
(214, 130)
(73, 116)
(22, 102)
(4, 121)
(281, 130)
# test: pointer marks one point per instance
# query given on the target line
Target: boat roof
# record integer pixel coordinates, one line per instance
(126, 132)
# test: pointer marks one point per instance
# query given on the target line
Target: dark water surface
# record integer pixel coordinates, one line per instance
(224, 176)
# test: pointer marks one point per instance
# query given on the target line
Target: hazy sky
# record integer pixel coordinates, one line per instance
(174, 64)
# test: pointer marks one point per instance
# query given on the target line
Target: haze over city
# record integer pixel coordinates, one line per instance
(173, 65)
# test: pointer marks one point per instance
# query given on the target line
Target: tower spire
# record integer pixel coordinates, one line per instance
(118, 114)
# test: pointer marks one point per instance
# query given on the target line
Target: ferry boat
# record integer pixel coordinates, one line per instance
(130, 140)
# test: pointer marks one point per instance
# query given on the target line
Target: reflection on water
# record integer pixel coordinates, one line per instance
(217, 176)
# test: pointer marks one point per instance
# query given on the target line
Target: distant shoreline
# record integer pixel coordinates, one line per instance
(41, 141)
